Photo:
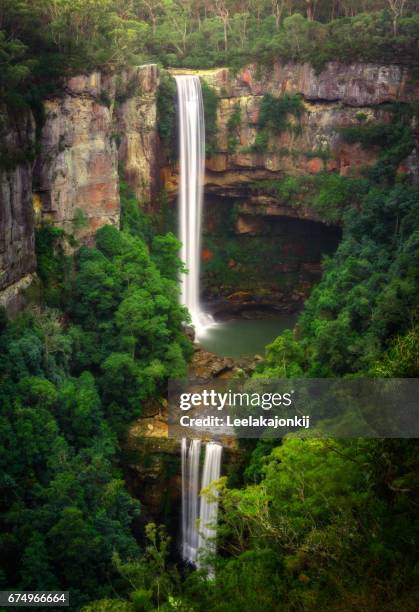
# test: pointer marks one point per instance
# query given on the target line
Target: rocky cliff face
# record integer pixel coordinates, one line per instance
(152, 463)
(99, 122)
(76, 172)
(136, 124)
(339, 96)
(17, 245)
(259, 221)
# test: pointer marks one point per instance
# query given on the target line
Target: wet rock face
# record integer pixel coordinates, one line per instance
(152, 461)
(17, 244)
(292, 152)
(152, 465)
(207, 365)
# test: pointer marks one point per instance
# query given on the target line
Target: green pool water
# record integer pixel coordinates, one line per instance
(245, 338)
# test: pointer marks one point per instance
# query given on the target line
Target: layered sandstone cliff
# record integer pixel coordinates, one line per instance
(98, 125)
(258, 247)
(102, 125)
(339, 96)
(76, 171)
(136, 129)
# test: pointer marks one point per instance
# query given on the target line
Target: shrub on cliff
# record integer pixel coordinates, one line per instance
(274, 118)
(210, 101)
(166, 115)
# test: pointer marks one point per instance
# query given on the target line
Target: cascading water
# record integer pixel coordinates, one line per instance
(192, 168)
(208, 511)
(190, 499)
(199, 530)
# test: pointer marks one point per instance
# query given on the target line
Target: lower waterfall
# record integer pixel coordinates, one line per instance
(190, 499)
(199, 530)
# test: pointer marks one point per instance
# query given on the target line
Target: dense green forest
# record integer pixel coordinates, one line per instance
(305, 525)
(73, 375)
(43, 40)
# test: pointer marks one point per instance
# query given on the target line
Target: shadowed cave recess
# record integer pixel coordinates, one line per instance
(256, 264)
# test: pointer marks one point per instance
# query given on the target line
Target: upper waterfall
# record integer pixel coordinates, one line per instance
(192, 169)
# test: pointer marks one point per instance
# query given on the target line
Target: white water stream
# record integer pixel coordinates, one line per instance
(192, 169)
(208, 510)
(190, 499)
(199, 512)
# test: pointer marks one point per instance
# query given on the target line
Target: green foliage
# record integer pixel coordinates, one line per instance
(322, 525)
(369, 291)
(250, 252)
(134, 219)
(283, 357)
(64, 510)
(15, 68)
(374, 135)
(151, 577)
(71, 381)
(364, 37)
(395, 140)
(401, 360)
(166, 114)
(210, 101)
(52, 263)
(274, 112)
(274, 117)
(152, 581)
(109, 241)
(165, 253)
(80, 220)
(233, 129)
(129, 318)
(11, 157)
(327, 194)
(44, 41)
(321, 530)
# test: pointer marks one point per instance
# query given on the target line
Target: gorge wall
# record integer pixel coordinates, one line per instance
(100, 127)
(262, 247)
(98, 123)
(337, 97)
